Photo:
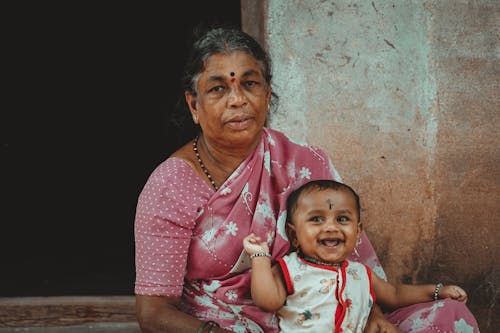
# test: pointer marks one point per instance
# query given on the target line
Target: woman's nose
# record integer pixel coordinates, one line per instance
(237, 96)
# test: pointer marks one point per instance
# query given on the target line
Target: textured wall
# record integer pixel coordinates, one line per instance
(403, 95)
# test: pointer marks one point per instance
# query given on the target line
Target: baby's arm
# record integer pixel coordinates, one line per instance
(454, 292)
(268, 291)
(395, 296)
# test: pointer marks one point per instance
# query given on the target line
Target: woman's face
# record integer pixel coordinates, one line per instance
(233, 100)
(326, 224)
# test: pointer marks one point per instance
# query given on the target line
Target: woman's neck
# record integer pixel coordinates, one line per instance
(221, 159)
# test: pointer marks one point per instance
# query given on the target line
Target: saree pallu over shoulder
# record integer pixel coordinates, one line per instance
(253, 199)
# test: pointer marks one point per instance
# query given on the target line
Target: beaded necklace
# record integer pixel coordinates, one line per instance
(202, 165)
(318, 262)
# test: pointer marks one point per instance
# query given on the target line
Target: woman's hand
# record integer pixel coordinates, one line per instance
(161, 314)
(377, 323)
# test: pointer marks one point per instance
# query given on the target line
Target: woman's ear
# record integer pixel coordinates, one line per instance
(191, 102)
(268, 98)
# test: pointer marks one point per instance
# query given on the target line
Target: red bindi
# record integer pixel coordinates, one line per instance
(232, 76)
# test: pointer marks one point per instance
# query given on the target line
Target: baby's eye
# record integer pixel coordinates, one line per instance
(317, 219)
(342, 219)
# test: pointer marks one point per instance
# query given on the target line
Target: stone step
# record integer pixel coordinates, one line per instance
(77, 314)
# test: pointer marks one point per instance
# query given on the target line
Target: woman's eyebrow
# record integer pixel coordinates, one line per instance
(215, 78)
(250, 72)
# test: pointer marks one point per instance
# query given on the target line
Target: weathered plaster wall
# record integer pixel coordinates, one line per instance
(404, 96)
(465, 60)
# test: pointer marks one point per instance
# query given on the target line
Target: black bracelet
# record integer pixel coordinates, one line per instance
(436, 290)
(210, 324)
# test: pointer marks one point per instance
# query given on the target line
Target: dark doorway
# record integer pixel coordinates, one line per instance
(92, 90)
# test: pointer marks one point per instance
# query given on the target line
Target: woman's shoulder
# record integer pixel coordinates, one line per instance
(171, 166)
(312, 162)
(290, 146)
(176, 166)
(277, 136)
(175, 172)
(174, 180)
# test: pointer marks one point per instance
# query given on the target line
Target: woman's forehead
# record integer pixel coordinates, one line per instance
(236, 63)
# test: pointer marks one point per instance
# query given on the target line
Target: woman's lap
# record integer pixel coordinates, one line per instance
(445, 315)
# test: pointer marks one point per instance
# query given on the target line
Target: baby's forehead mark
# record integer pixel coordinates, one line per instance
(330, 204)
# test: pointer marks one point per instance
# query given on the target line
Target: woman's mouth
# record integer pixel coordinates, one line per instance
(239, 123)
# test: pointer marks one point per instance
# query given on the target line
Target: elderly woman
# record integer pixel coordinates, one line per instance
(232, 179)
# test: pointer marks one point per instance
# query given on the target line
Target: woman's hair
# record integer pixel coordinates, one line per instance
(221, 41)
(318, 185)
(209, 41)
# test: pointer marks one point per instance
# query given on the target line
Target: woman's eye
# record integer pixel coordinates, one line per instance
(216, 89)
(251, 84)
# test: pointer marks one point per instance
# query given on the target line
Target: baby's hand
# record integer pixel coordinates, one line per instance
(454, 292)
(251, 245)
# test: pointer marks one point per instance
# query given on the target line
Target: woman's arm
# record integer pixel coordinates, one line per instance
(160, 314)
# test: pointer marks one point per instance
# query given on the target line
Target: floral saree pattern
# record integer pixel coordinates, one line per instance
(189, 238)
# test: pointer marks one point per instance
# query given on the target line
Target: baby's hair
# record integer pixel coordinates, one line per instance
(322, 184)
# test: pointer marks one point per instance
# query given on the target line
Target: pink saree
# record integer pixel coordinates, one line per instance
(189, 239)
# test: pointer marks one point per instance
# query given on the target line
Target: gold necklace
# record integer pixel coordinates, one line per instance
(202, 165)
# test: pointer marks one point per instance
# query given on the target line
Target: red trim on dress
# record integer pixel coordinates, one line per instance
(341, 310)
(372, 292)
(286, 275)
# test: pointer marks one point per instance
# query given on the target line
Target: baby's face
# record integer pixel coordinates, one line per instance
(326, 224)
